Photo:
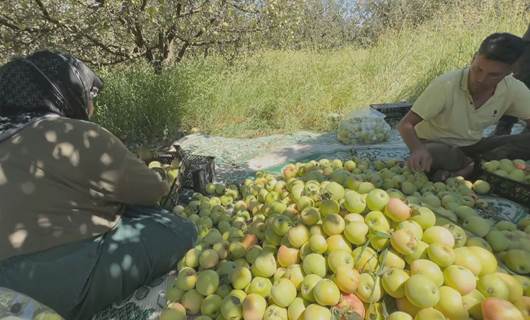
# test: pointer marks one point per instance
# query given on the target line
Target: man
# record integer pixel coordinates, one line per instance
(444, 128)
(521, 71)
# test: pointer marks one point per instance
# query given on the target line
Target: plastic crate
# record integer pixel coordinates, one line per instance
(172, 198)
(195, 172)
(393, 112)
(507, 188)
(198, 170)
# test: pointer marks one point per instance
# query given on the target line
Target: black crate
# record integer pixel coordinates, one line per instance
(507, 188)
(172, 198)
(393, 112)
(195, 172)
(198, 170)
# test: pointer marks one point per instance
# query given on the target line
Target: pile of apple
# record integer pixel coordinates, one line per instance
(509, 241)
(517, 170)
(511, 244)
(343, 240)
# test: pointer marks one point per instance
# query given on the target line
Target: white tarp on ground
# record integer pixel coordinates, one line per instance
(237, 158)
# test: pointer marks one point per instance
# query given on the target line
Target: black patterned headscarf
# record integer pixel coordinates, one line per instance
(41, 84)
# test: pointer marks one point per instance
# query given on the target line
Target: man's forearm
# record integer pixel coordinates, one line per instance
(409, 137)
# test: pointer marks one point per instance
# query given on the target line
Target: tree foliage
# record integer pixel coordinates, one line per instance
(164, 32)
(114, 31)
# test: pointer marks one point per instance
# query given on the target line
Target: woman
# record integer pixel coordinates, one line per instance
(78, 225)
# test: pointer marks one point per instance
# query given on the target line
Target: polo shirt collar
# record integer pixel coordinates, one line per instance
(464, 79)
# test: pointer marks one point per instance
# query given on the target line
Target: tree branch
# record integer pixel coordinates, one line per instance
(143, 5)
(75, 30)
(182, 51)
(45, 11)
(138, 36)
(218, 41)
(6, 23)
(240, 8)
(10, 23)
(192, 11)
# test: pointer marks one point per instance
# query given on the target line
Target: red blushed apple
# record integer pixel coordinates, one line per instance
(289, 171)
(397, 210)
(287, 256)
(349, 304)
(249, 240)
(499, 309)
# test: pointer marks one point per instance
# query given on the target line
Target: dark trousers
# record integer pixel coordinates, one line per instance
(453, 158)
(505, 125)
(79, 279)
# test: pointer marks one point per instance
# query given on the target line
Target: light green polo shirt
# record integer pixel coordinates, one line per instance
(448, 113)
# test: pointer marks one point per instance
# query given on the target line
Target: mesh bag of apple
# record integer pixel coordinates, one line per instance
(334, 239)
(363, 126)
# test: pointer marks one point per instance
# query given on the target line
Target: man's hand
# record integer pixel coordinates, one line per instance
(420, 160)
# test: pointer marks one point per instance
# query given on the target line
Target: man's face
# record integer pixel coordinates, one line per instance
(485, 74)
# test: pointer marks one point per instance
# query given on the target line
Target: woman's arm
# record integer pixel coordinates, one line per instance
(122, 176)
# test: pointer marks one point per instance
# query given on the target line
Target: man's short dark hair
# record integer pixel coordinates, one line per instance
(503, 47)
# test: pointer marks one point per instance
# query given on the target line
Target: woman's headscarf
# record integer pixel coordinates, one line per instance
(41, 84)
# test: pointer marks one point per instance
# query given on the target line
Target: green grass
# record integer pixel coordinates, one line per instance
(285, 91)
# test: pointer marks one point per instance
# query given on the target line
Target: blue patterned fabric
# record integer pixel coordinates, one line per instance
(14, 305)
